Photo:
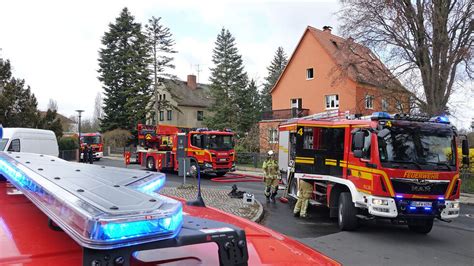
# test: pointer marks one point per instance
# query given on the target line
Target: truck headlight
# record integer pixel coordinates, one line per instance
(379, 202)
(208, 165)
(455, 205)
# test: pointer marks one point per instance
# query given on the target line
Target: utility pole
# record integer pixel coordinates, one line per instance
(79, 133)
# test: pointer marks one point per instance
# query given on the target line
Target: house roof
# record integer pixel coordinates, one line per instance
(355, 61)
(62, 118)
(184, 96)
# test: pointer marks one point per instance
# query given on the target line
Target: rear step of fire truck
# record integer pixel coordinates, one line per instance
(113, 212)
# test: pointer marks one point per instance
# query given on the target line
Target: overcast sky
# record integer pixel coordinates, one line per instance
(54, 45)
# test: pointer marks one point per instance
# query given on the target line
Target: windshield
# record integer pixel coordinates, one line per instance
(212, 142)
(3, 143)
(413, 145)
(90, 139)
(219, 142)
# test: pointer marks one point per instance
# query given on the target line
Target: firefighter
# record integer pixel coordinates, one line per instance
(90, 154)
(305, 189)
(271, 176)
(84, 150)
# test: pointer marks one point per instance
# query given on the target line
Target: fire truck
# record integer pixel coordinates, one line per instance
(397, 167)
(95, 141)
(55, 212)
(164, 147)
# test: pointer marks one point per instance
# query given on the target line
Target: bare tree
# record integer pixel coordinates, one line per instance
(430, 41)
(52, 105)
(98, 111)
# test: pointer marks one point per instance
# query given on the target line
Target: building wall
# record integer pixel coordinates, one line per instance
(181, 116)
(327, 80)
(188, 116)
(264, 136)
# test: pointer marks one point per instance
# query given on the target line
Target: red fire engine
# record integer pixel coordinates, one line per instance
(93, 140)
(164, 147)
(397, 167)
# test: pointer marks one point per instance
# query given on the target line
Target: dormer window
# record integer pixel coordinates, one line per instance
(309, 73)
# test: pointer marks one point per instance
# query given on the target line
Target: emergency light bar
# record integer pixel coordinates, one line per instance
(99, 207)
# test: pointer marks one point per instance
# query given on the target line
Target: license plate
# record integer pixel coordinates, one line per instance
(223, 160)
(421, 204)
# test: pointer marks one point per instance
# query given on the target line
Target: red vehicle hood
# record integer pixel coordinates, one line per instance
(25, 238)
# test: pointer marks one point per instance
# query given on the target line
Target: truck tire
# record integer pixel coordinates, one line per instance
(150, 163)
(347, 219)
(421, 226)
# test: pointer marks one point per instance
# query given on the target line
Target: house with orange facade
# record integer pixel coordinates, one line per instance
(326, 73)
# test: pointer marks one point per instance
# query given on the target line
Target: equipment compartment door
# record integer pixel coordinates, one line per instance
(283, 155)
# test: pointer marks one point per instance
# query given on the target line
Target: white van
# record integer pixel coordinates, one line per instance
(29, 140)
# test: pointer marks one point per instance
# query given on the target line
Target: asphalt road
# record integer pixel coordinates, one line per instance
(374, 243)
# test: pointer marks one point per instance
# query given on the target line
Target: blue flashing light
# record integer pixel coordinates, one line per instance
(412, 208)
(1, 131)
(380, 115)
(17, 176)
(440, 198)
(125, 230)
(399, 196)
(152, 186)
(427, 208)
(440, 119)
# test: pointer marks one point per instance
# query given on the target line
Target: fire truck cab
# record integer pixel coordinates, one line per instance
(95, 141)
(396, 167)
(161, 148)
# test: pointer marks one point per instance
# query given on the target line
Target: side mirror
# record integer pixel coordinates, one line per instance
(358, 140)
(383, 133)
(358, 153)
(465, 147)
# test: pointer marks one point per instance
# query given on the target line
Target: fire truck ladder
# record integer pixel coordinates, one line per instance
(113, 212)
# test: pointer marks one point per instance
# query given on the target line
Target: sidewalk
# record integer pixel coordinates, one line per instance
(467, 198)
(218, 198)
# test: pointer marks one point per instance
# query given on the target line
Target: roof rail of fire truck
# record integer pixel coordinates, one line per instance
(327, 115)
(113, 212)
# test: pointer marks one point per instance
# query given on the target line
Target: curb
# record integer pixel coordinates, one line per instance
(260, 213)
(466, 198)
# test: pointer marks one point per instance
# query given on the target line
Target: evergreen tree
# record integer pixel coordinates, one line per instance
(228, 79)
(123, 69)
(50, 121)
(248, 113)
(18, 106)
(161, 48)
(274, 71)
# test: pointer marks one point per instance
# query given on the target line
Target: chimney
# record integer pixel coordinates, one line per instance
(192, 82)
(327, 29)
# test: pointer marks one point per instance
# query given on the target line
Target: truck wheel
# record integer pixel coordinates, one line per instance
(150, 163)
(347, 219)
(421, 226)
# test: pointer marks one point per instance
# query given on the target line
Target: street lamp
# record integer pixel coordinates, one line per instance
(79, 133)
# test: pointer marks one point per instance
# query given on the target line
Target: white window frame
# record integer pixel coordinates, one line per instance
(307, 73)
(169, 115)
(385, 105)
(369, 102)
(272, 135)
(295, 103)
(162, 115)
(330, 99)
